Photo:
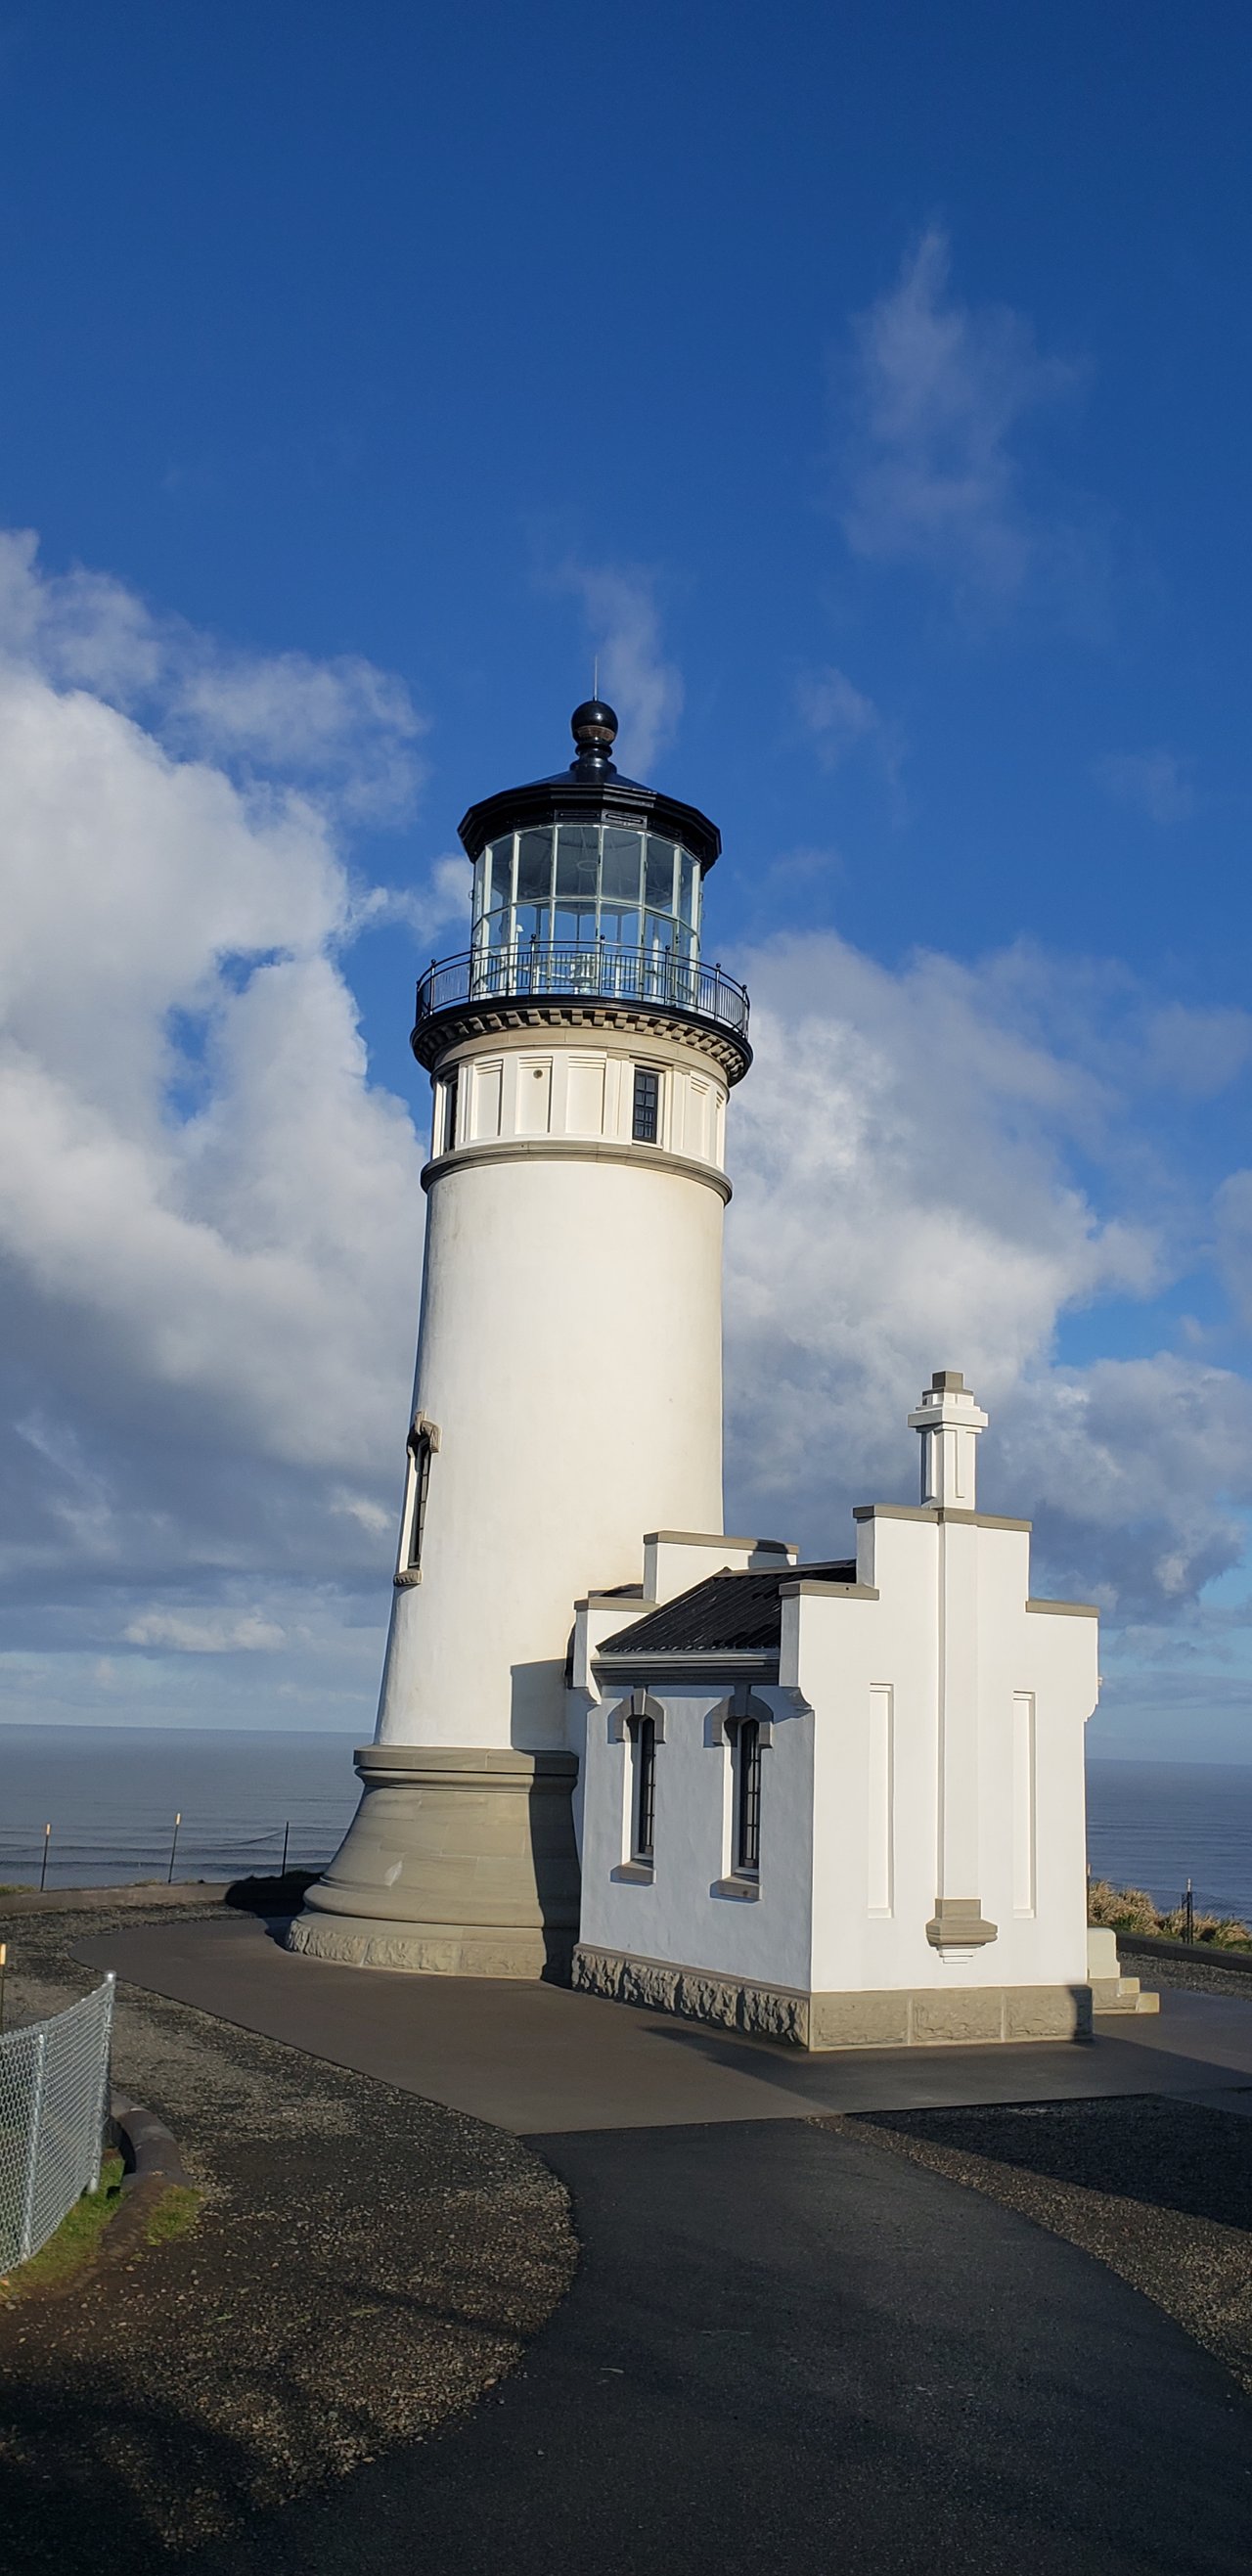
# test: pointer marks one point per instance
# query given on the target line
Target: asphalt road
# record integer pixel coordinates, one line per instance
(788, 2348)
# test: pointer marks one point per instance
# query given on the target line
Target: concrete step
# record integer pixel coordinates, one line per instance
(1121, 1995)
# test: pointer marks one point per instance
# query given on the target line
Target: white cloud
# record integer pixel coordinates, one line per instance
(342, 729)
(1153, 783)
(210, 1633)
(440, 900)
(210, 1220)
(1233, 1213)
(838, 715)
(904, 1157)
(624, 626)
(934, 397)
(843, 720)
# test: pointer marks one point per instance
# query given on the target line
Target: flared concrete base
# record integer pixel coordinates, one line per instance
(916, 2017)
(457, 1863)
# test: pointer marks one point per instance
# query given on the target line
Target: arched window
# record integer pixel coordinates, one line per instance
(747, 1754)
(643, 1786)
(422, 1444)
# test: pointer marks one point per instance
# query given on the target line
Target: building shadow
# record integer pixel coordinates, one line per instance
(1161, 2151)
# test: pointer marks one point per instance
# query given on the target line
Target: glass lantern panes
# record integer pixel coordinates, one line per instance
(592, 906)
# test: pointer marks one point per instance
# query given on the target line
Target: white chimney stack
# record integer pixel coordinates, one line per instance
(949, 1421)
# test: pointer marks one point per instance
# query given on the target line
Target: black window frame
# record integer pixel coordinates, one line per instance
(449, 1087)
(748, 1747)
(421, 1451)
(645, 1120)
(643, 1790)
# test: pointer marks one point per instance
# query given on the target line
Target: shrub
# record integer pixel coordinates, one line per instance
(1123, 1909)
(1131, 1909)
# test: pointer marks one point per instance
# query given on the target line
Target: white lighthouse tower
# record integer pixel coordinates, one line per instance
(568, 1393)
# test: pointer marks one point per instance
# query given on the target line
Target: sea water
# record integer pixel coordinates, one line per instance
(1157, 1824)
(111, 1793)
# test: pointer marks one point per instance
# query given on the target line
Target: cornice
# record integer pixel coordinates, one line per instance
(575, 1149)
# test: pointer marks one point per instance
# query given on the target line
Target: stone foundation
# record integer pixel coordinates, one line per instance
(921, 2016)
(457, 1863)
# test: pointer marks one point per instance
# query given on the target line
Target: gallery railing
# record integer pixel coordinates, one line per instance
(601, 972)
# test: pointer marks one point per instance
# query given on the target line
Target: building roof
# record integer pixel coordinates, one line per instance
(727, 1614)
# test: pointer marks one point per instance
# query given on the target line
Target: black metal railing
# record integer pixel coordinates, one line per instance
(602, 973)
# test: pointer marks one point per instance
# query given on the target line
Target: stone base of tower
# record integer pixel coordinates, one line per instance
(458, 1863)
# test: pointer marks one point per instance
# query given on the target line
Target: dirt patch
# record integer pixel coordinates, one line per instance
(363, 2264)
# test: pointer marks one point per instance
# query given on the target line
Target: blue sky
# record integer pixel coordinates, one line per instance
(870, 389)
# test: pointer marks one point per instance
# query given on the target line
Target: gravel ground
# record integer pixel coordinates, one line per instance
(1159, 2189)
(365, 2263)
(1194, 1975)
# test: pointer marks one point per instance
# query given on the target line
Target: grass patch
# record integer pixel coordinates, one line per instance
(176, 2211)
(75, 2241)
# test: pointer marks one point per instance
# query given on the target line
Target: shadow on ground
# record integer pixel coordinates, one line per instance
(1157, 2187)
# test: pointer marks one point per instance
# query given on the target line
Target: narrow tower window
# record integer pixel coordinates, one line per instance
(645, 1126)
(748, 1797)
(643, 1748)
(423, 1442)
(421, 1484)
(447, 1111)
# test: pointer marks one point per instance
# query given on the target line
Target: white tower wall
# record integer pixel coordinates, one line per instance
(570, 1361)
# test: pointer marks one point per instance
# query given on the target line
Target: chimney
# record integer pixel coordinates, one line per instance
(949, 1421)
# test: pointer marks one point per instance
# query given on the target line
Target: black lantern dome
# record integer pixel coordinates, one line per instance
(588, 885)
(591, 785)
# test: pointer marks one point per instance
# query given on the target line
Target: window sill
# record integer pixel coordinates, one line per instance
(747, 1890)
(407, 1577)
(633, 1873)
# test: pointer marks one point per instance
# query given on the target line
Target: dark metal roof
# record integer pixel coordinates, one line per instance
(590, 790)
(726, 1614)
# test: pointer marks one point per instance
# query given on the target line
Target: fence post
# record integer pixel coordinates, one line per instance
(102, 2101)
(32, 2148)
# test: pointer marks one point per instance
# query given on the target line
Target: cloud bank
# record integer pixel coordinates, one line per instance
(938, 1167)
(209, 1217)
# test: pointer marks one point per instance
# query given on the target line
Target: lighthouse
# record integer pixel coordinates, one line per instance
(568, 1390)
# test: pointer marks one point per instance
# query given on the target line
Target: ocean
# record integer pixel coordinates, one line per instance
(1157, 1824)
(111, 1795)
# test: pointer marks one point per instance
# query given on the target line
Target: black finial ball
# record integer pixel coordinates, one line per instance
(594, 726)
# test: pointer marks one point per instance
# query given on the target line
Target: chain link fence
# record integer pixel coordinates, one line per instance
(54, 2097)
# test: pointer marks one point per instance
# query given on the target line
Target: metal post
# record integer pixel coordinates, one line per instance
(1190, 1906)
(286, 1834)
(32, 2149)
(102, 2106)
(169, 1875)
(43, 1870)
(4, 1961)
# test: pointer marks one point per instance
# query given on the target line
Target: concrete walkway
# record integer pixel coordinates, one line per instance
(538, 2059)
(784, 2347)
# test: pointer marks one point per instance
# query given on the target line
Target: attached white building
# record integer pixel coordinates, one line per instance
(842, 1803)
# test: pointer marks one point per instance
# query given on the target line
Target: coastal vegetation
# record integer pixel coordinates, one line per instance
(1131, 1909)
